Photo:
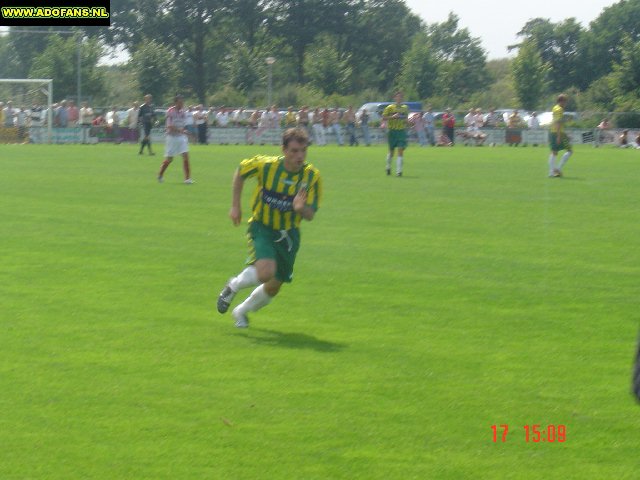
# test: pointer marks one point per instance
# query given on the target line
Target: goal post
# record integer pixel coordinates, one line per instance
(38, 82)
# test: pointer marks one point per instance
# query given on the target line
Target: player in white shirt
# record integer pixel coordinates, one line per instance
(176, 141)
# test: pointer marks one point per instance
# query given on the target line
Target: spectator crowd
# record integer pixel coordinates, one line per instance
(344, 126)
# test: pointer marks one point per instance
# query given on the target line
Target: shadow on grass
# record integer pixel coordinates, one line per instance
(291, 340)
(572, 179)
(408, 177)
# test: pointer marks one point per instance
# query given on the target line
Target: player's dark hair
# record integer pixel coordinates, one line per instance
(562, 98)
(296, 134)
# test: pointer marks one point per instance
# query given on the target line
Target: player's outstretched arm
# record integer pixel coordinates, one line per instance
(235, 213)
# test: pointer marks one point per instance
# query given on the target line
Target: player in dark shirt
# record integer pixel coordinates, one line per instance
(147, 117)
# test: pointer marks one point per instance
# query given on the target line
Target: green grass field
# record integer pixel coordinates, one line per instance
(472, 292)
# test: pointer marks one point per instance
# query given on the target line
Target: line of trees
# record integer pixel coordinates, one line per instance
(599, 65)
(334, 52)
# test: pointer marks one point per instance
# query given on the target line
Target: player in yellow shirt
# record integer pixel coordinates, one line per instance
(288, 190)
(396, 115)
(558, 139)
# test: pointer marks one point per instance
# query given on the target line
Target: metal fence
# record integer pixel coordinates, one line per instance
(272, 136)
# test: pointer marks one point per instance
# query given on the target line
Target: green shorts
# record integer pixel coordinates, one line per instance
(563, 145)
(279, 245)
(397, 139)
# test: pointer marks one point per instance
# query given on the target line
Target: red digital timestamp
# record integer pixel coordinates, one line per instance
(533, 433)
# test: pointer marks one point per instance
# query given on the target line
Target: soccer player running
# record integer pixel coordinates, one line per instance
(396, 116)
(288, 190)
(176, 142)
(146, 116)
(558, 139)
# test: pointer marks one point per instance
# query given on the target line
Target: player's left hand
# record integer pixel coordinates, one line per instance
(300, 200)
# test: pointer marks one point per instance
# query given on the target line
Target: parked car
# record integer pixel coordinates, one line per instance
(375, 109)
(546, 117)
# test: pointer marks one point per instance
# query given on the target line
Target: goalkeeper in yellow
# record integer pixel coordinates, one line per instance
(558, 139)
(288, 191)
(396, 115)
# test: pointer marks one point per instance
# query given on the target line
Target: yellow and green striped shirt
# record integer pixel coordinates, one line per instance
(272, 202)
(396, 123)
(557, 119)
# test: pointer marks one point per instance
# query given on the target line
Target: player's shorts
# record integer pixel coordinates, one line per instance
(564, 143)
(279, 245)
(175, 145)
(397, 139)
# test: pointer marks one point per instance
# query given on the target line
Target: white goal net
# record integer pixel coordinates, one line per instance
(26, 114)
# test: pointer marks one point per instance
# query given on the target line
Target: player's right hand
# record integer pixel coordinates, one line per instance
(235, 214)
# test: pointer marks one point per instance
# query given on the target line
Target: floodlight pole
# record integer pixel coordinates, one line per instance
(79, 89)
(270, 61)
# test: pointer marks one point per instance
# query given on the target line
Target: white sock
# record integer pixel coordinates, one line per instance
(246, 278)
(258, 299)
(388, 161)
(399, 164)
(564, 159)
(552, 163)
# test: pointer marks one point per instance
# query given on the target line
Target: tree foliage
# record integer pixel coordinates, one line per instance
(133, 22)
(462, 59)
(529, 76)
(604, 43)
(156, 71)
(600, 63)
(339, 49)
(382, 31)
(558, 45)
(328, 70)
(419, 69)
(244, 68)
(296, 22)
(58, 61)
(626, 73)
